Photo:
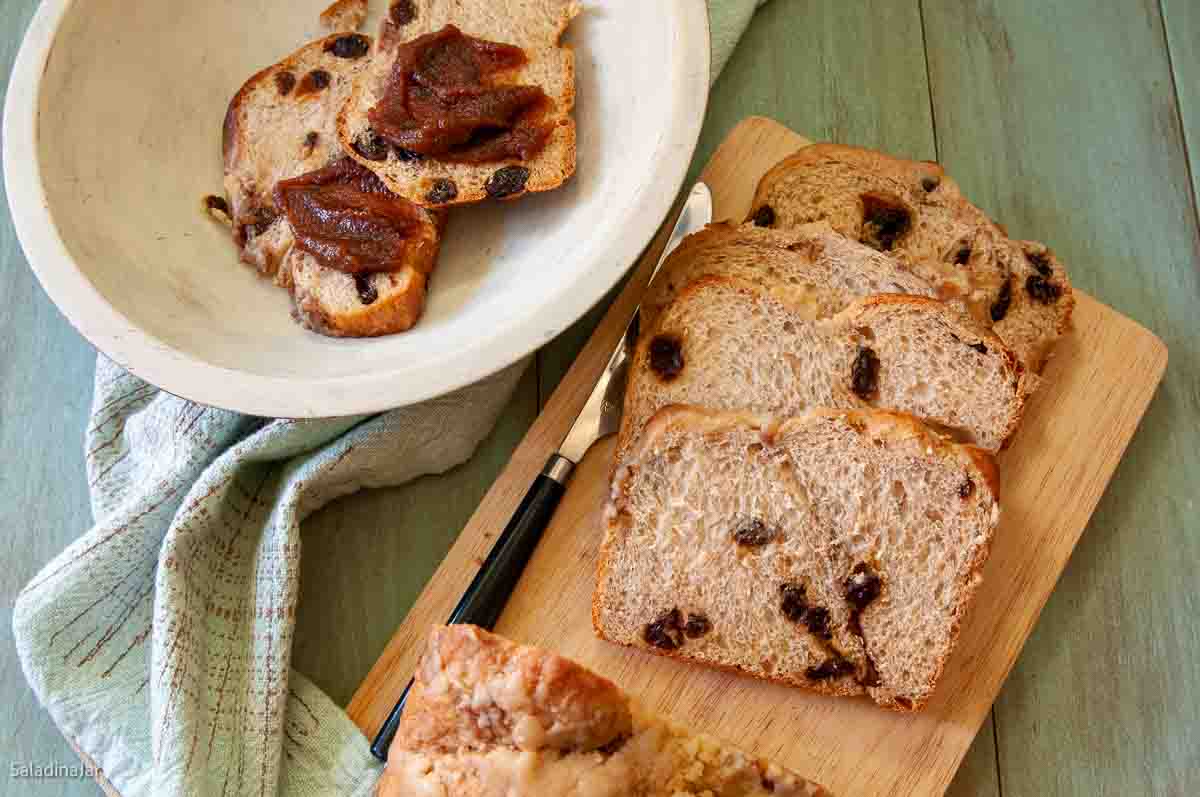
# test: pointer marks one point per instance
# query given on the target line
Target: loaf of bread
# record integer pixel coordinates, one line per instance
(837, 551)
(828, 269)
(730, 344)
(915, 211)
(487, 717)
(535, 26)
(282, 124)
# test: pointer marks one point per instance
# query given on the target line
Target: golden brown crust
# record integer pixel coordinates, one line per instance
(344, 15)
(395, 313)
(487, 717)
(474, 690)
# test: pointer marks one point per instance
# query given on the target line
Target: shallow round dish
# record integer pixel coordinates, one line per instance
(112, 133)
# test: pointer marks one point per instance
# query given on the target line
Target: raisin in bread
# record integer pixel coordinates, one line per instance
(814, 263)
(487, 717)
(837, 551)
(915, 211)
(535, 26)
(279, 125)
(732, 345)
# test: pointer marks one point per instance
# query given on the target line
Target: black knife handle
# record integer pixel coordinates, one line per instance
(484, 599)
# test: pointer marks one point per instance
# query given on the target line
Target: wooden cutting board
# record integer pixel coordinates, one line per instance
(1075, 430)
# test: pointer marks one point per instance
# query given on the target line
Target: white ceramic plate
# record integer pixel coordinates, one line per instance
(112, 136)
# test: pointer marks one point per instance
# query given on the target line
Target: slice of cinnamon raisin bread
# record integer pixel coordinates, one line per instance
(522, 134)
(281, 125)
(837, 551)
(487, 717)
(729, 344)
(915, 211)
(824, 269)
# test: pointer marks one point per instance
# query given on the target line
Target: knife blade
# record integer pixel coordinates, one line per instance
(484, 599)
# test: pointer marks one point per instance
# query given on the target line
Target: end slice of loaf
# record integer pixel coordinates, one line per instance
(535, 26)
(487, 717)
(836, 551)
(825, 270)
(915, 211)
(729, 344)
(281, 124)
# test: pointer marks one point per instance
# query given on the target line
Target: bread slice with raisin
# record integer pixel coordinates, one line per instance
(915, 211)
(280, 125)
(487, 717)
(837, 551)
(443, 179)
(729, 344)
(821, 269)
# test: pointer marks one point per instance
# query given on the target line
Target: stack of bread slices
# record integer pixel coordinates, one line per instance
(804, 488)
(311, 112)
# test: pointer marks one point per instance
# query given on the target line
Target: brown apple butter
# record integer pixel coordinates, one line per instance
(446, 99)
(344, 217)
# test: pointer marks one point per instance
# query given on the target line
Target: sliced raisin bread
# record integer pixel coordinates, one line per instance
(915, 211)
(822, 270)
(732, 345)
(535, 26)
(281, 124)
(838, 550)
(487, 717)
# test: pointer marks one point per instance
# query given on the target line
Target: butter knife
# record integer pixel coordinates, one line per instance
(484, 599)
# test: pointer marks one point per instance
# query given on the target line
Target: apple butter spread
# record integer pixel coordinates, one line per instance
(344, 217)
(445, 98)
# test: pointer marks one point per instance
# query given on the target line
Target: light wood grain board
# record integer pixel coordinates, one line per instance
(1075, 430)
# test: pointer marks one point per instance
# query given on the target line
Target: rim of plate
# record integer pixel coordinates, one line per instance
(181, 374)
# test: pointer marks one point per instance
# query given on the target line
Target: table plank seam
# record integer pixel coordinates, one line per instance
(1183, 131)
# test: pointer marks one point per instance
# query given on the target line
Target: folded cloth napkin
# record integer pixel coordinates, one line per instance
(160, 640)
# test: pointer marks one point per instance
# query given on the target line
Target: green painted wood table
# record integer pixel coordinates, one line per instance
(1071, 121)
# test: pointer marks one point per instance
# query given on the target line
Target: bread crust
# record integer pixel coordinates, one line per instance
(548, 56)
(344, 15)
(876, 424)
(487, 717)
(1029, 326)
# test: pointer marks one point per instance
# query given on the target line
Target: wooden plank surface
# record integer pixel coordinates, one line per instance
(1073, 435)
(1181, 34)
(1106, 698)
